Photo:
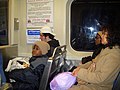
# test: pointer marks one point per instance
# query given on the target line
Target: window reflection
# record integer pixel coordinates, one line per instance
(3, 22)
(86, 20)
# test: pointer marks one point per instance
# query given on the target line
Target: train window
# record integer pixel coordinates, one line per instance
(87, 16)
(3, 22)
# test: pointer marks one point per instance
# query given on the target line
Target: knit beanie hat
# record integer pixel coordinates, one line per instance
(100, 33)
(44, 46)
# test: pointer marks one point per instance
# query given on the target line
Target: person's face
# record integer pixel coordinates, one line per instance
(97, 39)
(47, 38)
(104, 37)
(42, 37)
(36, 51)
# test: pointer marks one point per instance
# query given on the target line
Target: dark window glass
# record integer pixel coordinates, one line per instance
(3, 22)
(86, 19)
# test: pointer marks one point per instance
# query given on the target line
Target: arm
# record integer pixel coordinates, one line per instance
(108, 69)
(86, 65)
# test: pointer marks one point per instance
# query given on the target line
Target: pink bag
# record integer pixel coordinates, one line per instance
(62, 81)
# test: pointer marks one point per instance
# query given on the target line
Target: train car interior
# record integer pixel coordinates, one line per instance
(75, 24)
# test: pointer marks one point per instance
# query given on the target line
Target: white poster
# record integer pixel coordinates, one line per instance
(33, 35)
(39, 13)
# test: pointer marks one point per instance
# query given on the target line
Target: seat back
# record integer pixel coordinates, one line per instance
(116, 85)
(45, 76)
(58, 59)
(53, 66)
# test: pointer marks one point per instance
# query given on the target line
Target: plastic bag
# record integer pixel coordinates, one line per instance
(62, 81)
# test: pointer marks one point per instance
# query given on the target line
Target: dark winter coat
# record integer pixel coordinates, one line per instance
(53, 44)
(29, 78)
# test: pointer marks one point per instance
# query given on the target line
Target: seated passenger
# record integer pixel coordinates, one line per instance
(29, 78)
(47, 36)
(99, 46)
(97, 50)
(100, 73)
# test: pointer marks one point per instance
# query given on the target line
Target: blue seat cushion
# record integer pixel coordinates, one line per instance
(116, 85)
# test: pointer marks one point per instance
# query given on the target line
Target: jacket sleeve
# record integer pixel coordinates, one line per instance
(108, 69)
(86, 65)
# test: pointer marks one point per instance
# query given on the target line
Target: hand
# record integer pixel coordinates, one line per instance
(75, 71)
(81, 82)
(25, 65)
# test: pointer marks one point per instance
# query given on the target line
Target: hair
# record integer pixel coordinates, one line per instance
(100, 38)
(48, 34)
(113, 37)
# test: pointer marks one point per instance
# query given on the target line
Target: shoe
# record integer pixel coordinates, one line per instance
(6, 86)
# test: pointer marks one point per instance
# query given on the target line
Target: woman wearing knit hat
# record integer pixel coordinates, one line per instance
(29, 78)
(98, 38)
(42, 46)
(97, 50)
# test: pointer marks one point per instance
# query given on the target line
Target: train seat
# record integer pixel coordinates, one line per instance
(53, 66)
